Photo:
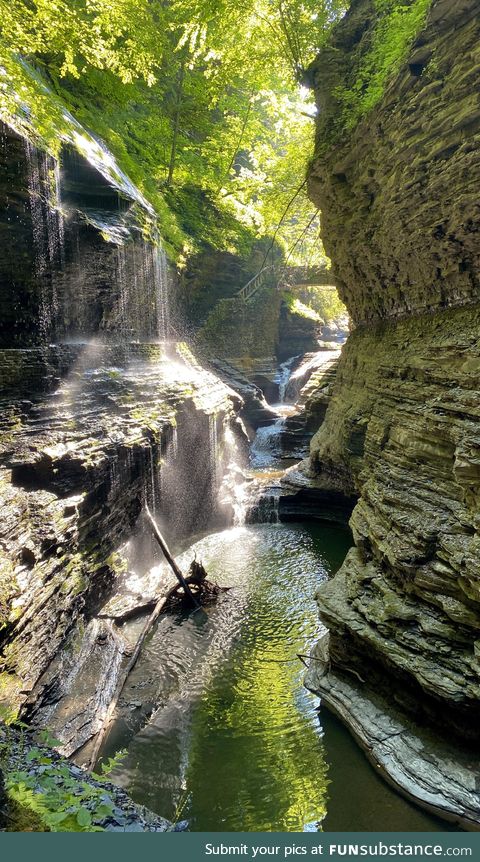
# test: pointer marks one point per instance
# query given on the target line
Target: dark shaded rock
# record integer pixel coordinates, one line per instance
(297, 334)
(307, 496)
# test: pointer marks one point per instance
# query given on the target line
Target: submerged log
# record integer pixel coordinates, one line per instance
(107, 721)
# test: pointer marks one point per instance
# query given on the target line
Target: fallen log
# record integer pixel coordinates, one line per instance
(171, 562)
(197, 577)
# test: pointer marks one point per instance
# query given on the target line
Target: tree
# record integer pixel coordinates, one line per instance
(187, 93)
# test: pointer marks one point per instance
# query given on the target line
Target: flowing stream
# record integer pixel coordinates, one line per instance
(234, 741)
(266, 448)
(220, 731)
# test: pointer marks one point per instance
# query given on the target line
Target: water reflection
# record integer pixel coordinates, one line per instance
(234, 742)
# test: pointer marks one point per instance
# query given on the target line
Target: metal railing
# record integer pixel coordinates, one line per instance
(286, 277)
(258, 280)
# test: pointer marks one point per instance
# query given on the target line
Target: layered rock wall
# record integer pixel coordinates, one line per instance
(99, 412)
(401, 222)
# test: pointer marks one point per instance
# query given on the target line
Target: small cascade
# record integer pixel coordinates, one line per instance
(43, 181)
(252, 496)
(263, 507)
(266, 447)
(262, 497)
(283, 376)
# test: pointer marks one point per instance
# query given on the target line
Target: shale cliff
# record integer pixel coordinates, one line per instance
(99, 411)
(399, 197)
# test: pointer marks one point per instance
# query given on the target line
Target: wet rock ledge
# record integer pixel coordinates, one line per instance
(76, 468)
(436, 774)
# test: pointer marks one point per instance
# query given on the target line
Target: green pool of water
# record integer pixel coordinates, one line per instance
(233, 741)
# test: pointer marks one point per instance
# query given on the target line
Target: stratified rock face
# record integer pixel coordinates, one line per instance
(76, 250)
(401, 221)
(76, 469)
(99, 413)
(399, 196)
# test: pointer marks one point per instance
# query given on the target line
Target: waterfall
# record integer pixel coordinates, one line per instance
(267, 444)
(283, 376)
(96, 272)
(43, 183)
(261, 498)
(114, 476)
(136, 305)
(264, 507)
(234, 486)
(153, 480)
(174, 442)
(214, 453)
(160, 275)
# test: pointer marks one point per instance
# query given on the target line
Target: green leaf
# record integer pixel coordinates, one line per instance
(58, 817)
(104, 810)
(84, 818)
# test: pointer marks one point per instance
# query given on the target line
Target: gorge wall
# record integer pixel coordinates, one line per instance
(100, 408)
(401, 222)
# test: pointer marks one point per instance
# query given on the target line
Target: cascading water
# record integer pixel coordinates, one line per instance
(153, 482)
(234, 486)
(266, 448)
(95, 271)
(47, 218)
(213, 451)
(262, 496)
(161, 291)
(283, 376)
